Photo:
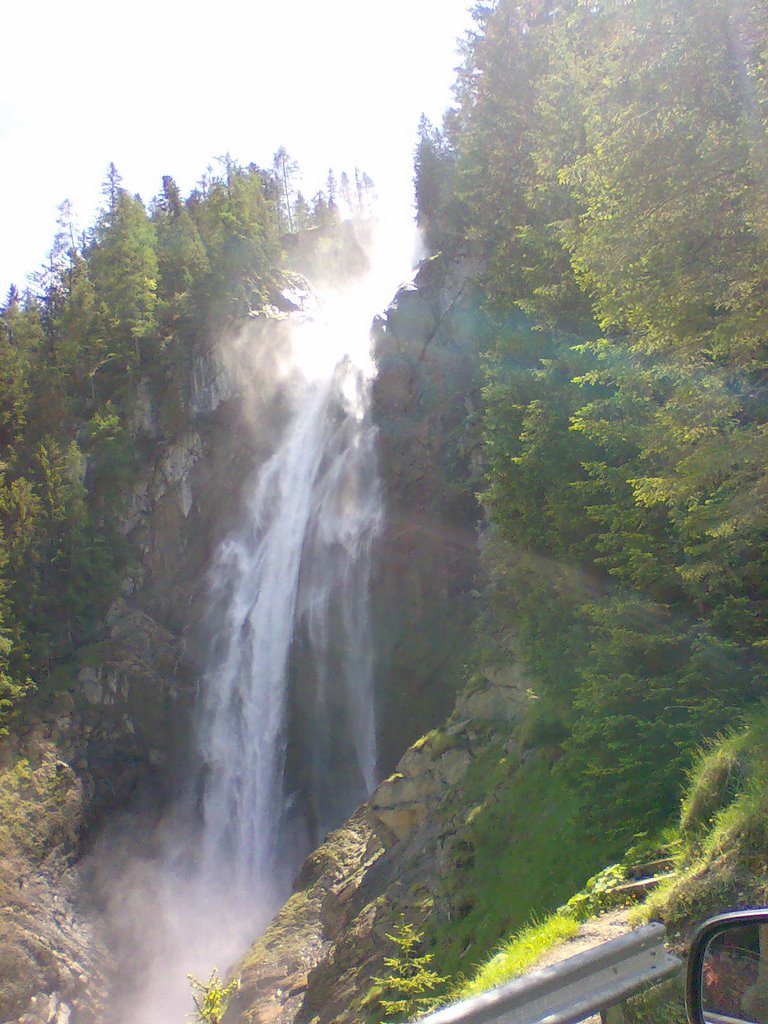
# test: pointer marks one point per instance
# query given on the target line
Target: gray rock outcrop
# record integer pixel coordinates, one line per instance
(52, 961)
(425, 397)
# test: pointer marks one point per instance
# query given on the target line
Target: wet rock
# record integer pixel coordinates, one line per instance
(502, 695)
(411, 317)
(145, 416)
(211, 384)
(133, 703)
(403, 801)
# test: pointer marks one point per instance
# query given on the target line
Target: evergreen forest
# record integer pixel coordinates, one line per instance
(609, 165)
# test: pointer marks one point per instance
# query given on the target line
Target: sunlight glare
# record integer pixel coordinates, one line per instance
(337, 323)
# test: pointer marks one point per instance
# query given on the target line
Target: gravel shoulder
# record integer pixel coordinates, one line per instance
(592, 933)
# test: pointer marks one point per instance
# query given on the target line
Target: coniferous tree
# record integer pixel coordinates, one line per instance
(433, 178)
(412, 983)
(181, 256)
(302, 215)
(237, 226)
(331, 192)
(609, 168)
(286, 171)
(122, 261)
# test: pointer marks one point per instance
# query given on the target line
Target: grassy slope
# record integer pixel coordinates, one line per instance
(721, 847)
(525, 856)
(518, 954)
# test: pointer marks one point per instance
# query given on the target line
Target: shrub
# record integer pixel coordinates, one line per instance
(210, 998)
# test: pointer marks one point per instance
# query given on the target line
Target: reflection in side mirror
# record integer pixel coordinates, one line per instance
(731, 984)
(728, 970)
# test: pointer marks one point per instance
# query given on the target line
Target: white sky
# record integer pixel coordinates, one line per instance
(165, 86)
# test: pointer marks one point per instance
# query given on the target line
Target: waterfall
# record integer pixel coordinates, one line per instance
(296, 568)
(285, 734)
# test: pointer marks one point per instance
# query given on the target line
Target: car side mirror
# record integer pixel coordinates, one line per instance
(728, 970)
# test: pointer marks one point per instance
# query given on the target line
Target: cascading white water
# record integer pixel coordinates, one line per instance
(285, 729)
(299, 558)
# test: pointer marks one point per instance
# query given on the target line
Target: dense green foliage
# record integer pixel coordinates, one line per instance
(608, 162)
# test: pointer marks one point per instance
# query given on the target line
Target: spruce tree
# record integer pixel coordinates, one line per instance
(411, 982)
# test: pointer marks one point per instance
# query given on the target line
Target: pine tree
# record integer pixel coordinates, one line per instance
(236, 223)
(122, 261)
(286, 171)
(411, 981)
(181, 257)
(12, 691)
(302, 215)
(433, 180)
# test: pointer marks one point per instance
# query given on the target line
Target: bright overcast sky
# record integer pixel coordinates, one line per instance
(164, 87)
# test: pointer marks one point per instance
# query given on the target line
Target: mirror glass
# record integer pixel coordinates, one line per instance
(734, 977)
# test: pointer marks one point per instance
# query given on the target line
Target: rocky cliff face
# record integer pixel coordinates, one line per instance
(425, 399)
(135, 692)
(52, 964)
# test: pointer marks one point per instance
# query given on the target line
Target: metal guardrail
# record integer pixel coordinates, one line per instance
(573, 989)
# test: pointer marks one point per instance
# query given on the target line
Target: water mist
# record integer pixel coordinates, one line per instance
(290, 662)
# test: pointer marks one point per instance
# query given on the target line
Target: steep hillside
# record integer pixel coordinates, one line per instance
(603, 173)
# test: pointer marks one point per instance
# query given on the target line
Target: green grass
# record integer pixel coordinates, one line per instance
(662, 1004)
(723, 859)
(523, 855)
(516, 956)
(715, 778)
